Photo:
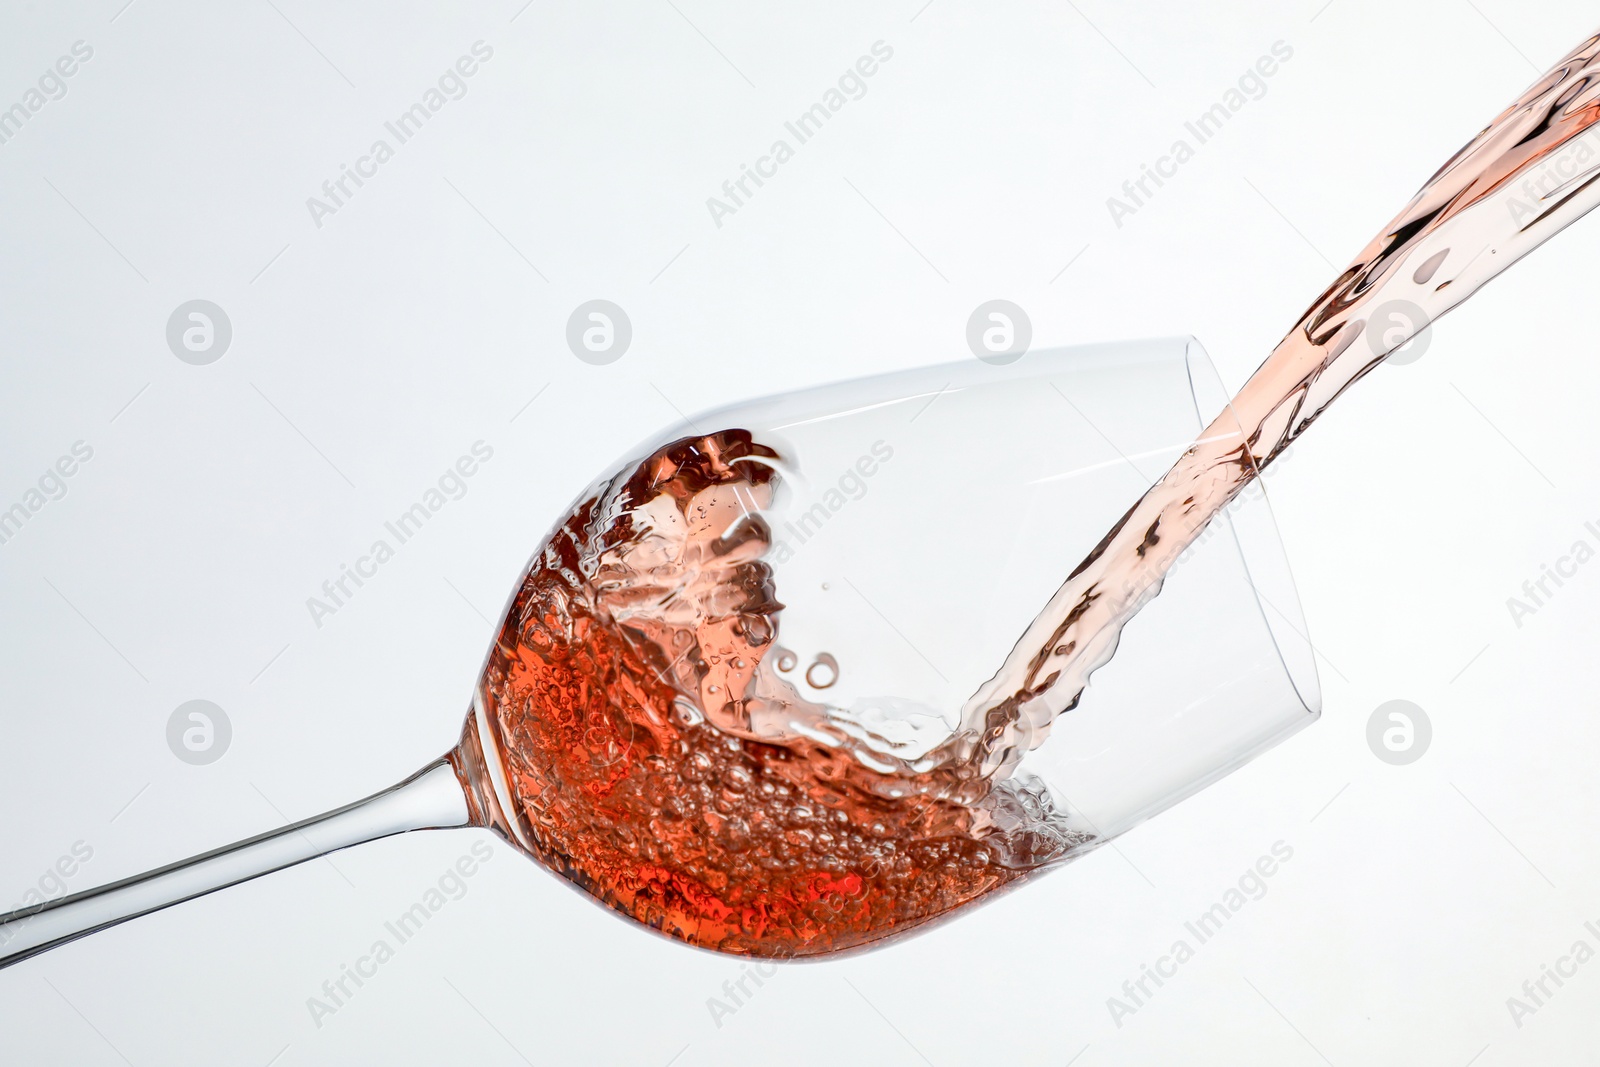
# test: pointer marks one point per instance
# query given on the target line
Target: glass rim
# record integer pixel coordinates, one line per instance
(1303, 676)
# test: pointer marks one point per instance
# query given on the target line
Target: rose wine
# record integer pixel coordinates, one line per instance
(625, 701)
(636, 729)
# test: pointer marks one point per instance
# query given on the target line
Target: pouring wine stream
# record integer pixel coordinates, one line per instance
(1532, 172)
(1528, 175)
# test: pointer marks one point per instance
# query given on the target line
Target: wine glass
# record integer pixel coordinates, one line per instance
(724, 698)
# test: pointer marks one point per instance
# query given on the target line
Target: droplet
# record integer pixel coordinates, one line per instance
(823, 672)
(1425, 272)
(787, 660)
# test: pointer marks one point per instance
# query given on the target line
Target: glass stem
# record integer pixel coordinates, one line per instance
(433, 798)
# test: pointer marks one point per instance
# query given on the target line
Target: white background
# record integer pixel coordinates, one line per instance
(371, 352)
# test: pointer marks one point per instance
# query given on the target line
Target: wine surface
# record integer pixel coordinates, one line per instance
(631, 733)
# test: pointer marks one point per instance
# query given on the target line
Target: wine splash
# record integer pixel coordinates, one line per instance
(634, 730)
(645, 747)
(639, 729)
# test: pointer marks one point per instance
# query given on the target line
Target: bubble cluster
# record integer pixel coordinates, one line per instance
(622, 689)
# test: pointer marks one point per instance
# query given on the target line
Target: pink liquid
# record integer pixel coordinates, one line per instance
(650, 755)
